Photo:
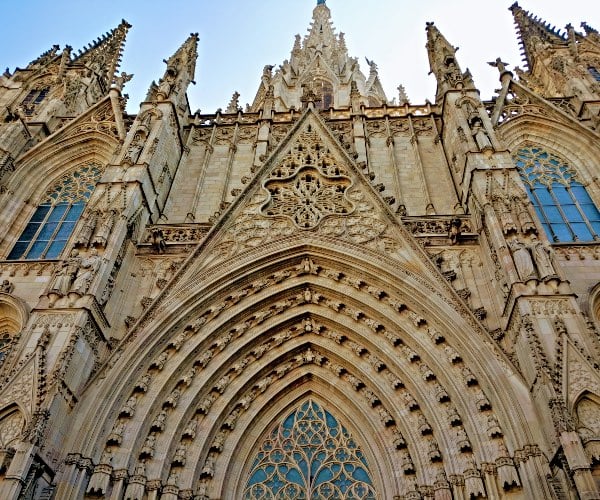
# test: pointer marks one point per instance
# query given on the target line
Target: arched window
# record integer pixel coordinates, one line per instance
(55, 218)
(32, 99)
(594, 72)
(309, 455)
(325, 90)
(562, 203)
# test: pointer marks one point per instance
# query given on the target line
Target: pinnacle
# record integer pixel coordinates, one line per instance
(533, 32)
(104, 53)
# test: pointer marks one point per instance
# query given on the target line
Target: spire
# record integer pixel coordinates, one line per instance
(443, 63)
(103, 56)
(534, 34)
(179, 73)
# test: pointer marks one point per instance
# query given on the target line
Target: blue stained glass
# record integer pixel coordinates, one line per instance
(55, 219)
(338, 469)
(29, 232)
(47, 231)
(553, 214)
(544, 195)
(37, 250)
(557, 196)
(562, 195)
(582, 231)
(57, 212)
(65, 231)
(75, 212)
(18, 250)
(562, 232)
(40, 213)
(572, 213)
(55, 249)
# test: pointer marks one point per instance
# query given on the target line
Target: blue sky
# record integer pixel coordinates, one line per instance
(238, 37)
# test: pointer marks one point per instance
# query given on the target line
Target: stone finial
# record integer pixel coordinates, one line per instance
(234, 103)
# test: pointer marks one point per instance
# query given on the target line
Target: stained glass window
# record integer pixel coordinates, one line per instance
(310, 455)
(325, 90)
(32, 99)
(595, 73)
(561, 202)
(55, 218)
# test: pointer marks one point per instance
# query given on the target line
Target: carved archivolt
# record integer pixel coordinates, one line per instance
(235, 356)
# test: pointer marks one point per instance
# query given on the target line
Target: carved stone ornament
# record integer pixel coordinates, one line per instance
(309, 189)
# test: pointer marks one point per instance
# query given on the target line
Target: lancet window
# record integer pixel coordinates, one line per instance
(561, 202)
(54, 220)
(595, 73)
(325, 90)
(32, 99)
(310, 455)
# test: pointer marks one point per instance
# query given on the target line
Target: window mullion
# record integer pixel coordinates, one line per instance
(55, 232)
(543, 212)
(562, 214)
(37, 233)
(582, 213)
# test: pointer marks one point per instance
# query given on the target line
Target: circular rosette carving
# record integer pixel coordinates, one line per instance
(308, 197)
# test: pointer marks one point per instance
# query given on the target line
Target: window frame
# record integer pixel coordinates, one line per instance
(546, 175)
(68, 195)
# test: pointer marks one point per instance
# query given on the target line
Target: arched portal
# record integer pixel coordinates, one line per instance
(242, 346)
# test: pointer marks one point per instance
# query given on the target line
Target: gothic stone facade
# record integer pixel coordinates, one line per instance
(328, 294)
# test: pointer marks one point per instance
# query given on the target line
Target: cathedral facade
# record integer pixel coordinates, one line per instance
(326, 294)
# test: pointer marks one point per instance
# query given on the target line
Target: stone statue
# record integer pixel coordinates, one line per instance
(87, 271)
(66, 273)
(135, 149)
(158, 240)
(165, 84)
(85, 235)
(122, 79)
(104, 230)
(525, 219)
(522, 259)
(499, 64)
(480, 135)
(506, 217)
(543, 261)
(6, 286)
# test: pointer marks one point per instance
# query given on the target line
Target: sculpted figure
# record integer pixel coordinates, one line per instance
(522, 259)
(87, 271)
(165, 84)
(480, 135)
(6, 286)
(105, 228)
(135, 149)
(524, 217)
(66, 273)
(85, 235)
(542, 259)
